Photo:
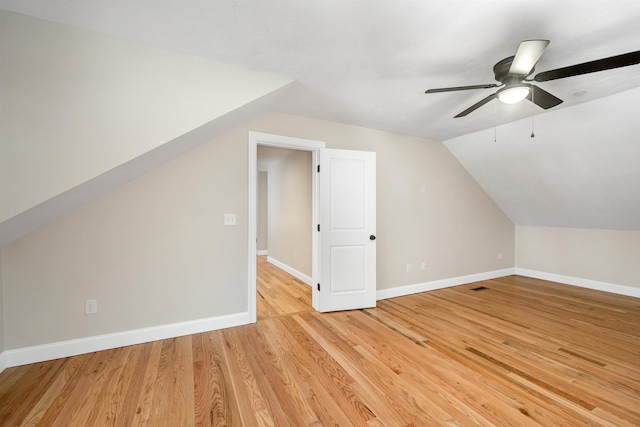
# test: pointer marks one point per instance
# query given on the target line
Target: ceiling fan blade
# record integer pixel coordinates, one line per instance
(542, 98)
(527, 56)
(451, 89)
(476, 105)
(617, 61)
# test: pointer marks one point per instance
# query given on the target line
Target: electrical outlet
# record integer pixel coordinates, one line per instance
(408, 268)
(500, 255)
(91, 306)
(230, 219)
(423, 265)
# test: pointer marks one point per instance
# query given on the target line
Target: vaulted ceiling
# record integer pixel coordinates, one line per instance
(368, 63)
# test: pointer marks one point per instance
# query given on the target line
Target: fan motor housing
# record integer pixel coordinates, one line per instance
(501, 71)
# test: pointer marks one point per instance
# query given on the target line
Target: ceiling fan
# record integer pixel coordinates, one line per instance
(513, 74)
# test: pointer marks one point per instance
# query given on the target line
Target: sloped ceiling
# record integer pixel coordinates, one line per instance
(368, 63)
(581, 170)
(82, 113)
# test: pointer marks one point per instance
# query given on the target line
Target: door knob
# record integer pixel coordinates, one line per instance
(372, 237)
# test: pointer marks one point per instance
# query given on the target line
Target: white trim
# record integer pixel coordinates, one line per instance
(252, 226)
(263, 252)
(255, 139)
(3, 361)
(442, 283)
(292, 271)
(583, 283)
(462, 280)
(56, 350)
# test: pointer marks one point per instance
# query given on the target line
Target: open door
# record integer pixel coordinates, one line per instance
(347, 230)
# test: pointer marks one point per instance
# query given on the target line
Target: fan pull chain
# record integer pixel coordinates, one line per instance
(533, 135)
(495, 120)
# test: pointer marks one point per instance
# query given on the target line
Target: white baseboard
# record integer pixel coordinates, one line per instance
(583, 283)
(41, 353)
(292, 271)
(3, 361)
(262, 252)
(462, 280)
(443, 283)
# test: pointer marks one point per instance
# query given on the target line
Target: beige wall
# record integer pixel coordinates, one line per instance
(611, 256)
(290, 211)
(155, 251)
(152, 252)
(263, 215)
(76, 104)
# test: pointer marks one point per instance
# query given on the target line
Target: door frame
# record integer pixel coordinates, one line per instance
(271, 140)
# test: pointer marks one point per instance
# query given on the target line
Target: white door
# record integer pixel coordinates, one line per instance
(347, 230)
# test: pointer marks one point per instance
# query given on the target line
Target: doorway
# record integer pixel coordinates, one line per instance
(284, 209)
(261, 139)
(284, 231)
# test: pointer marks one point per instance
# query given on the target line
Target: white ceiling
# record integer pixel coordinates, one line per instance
(368, 63)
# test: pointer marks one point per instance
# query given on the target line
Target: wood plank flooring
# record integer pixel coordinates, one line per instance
(279, 293)
(522, 352)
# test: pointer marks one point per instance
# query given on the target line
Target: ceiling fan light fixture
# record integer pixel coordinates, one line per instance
(513, 94)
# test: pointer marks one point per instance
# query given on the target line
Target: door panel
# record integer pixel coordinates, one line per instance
(347, 196)
(345, 278)
(347, 220)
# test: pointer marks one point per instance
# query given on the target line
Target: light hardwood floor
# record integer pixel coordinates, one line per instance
(521, 352)
(279, 293)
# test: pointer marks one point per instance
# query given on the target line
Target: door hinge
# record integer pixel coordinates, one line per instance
(318, 287)
(318, 227)
(318, 168)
